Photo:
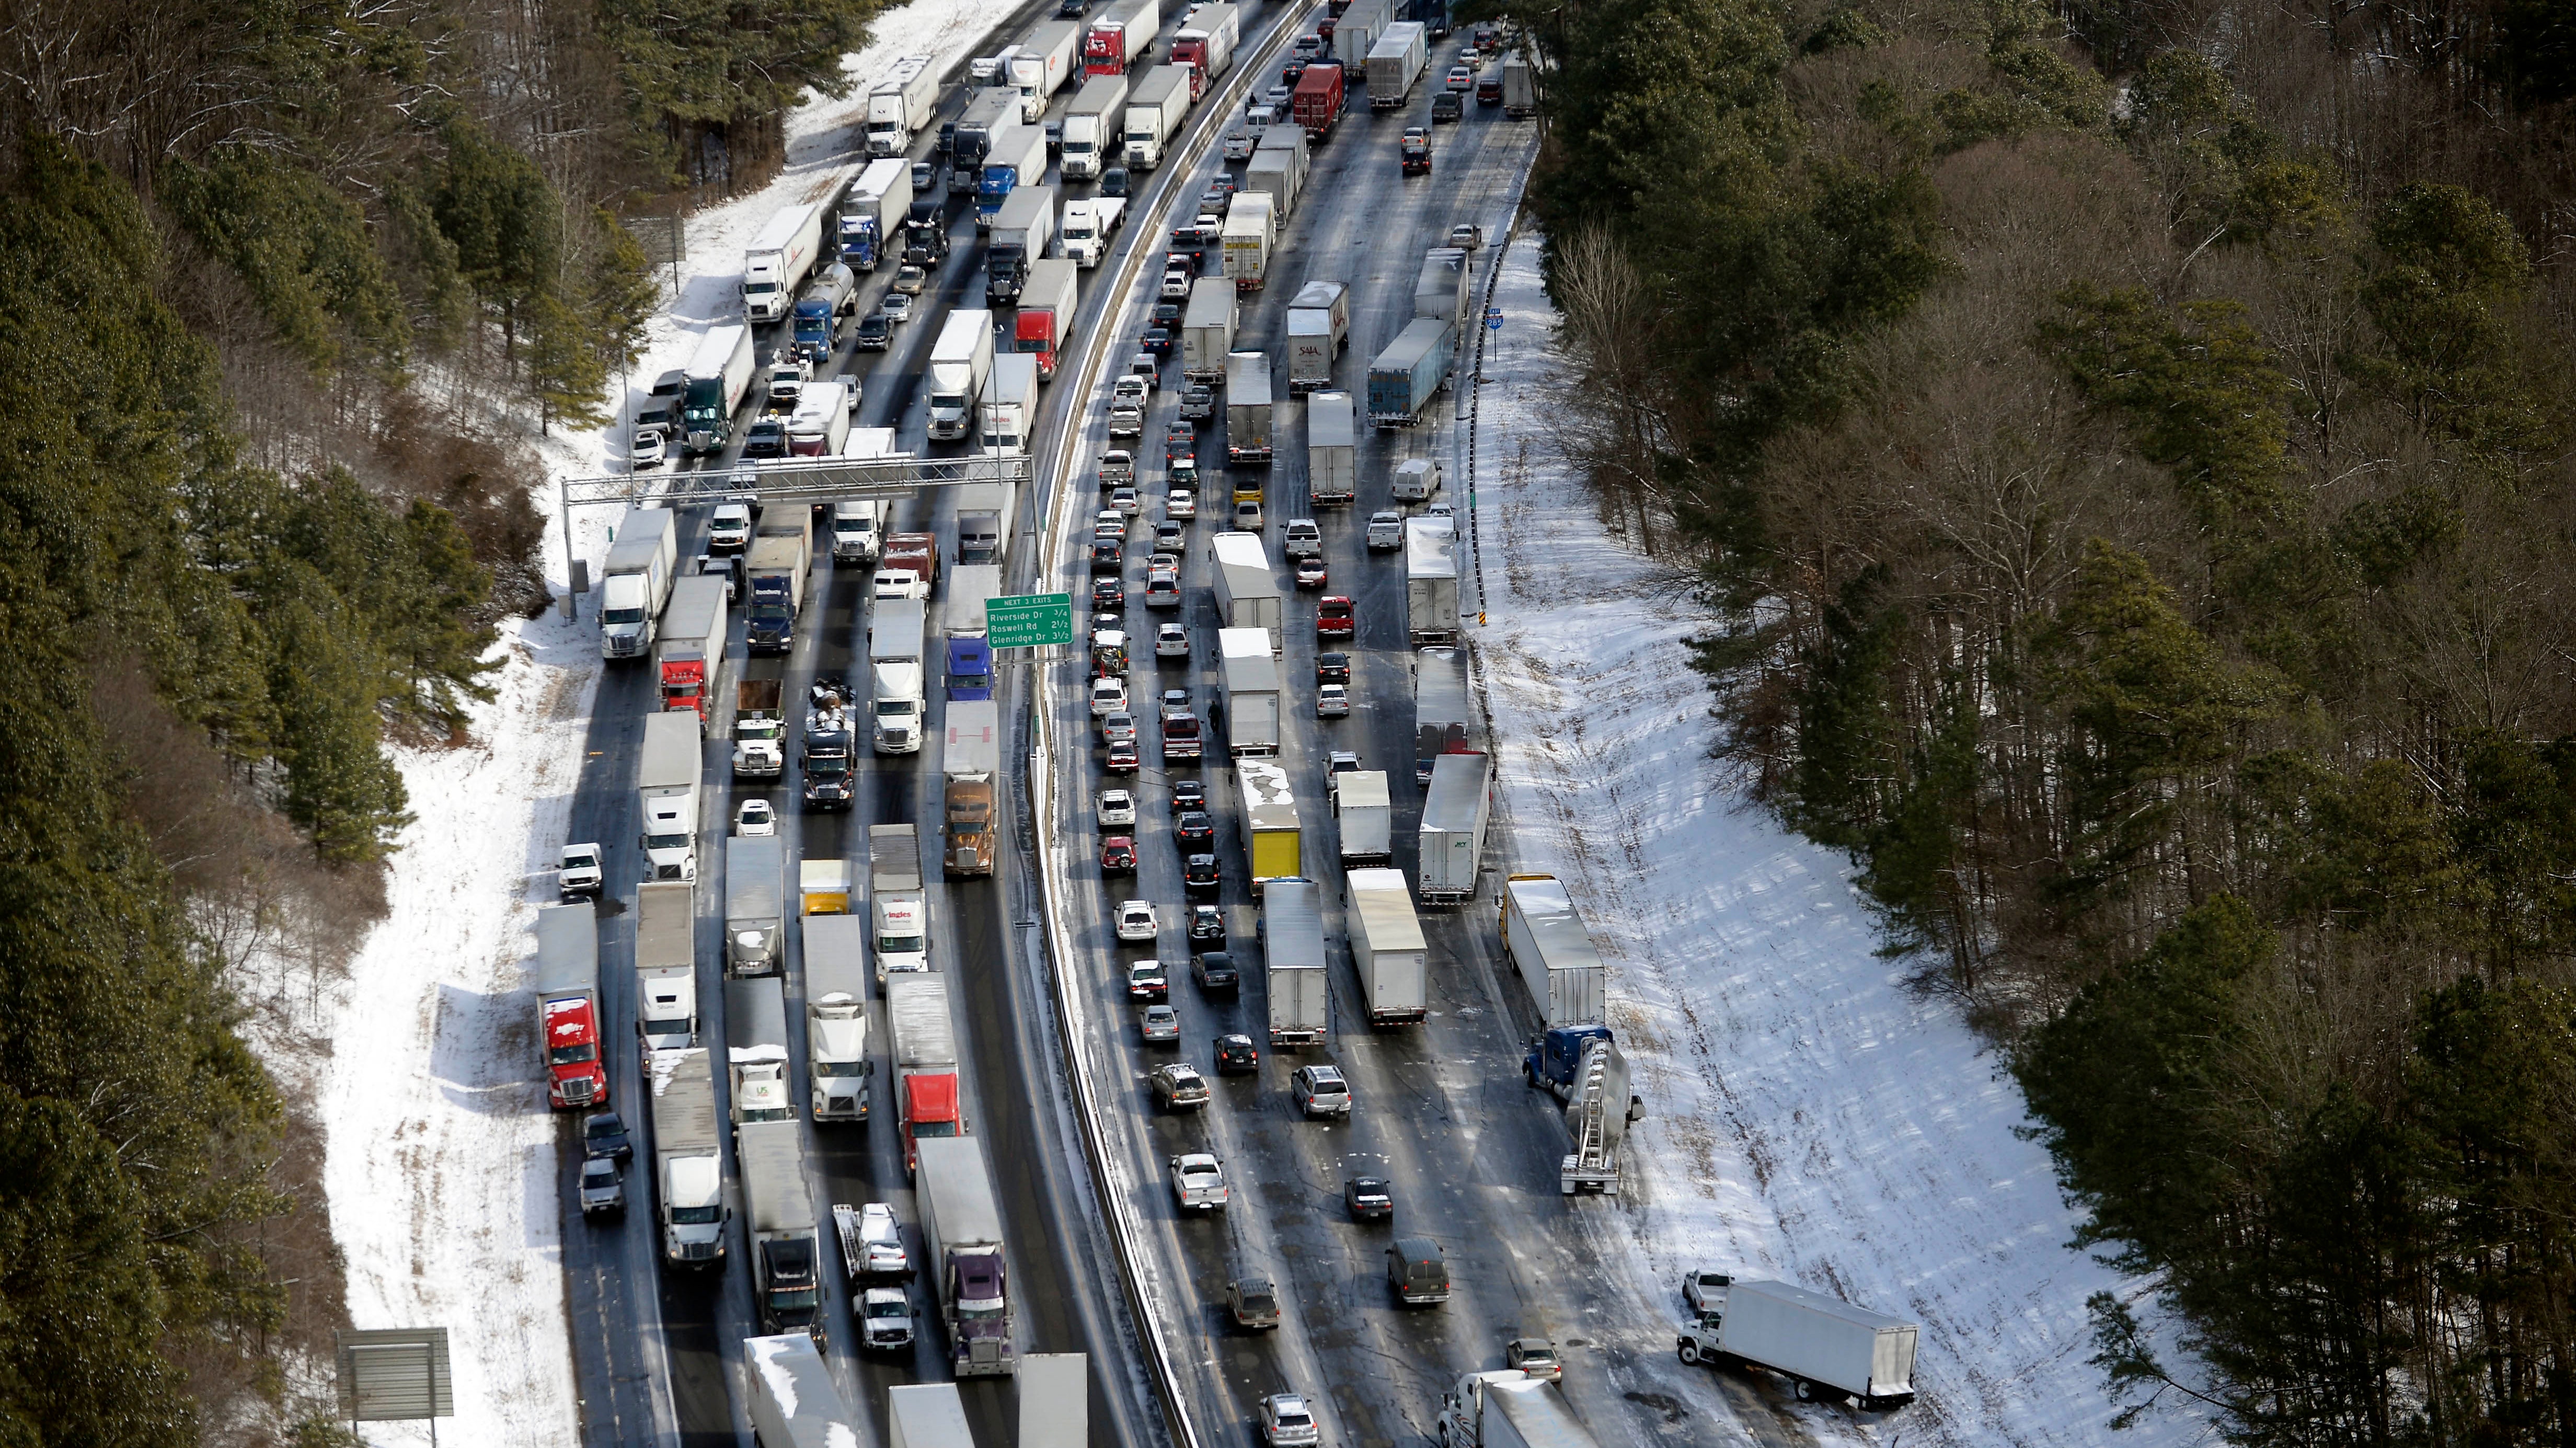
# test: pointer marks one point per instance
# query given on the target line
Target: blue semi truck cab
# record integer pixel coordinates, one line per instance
(1555, 1053)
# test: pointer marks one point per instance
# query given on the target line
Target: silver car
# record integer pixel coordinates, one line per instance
(603, 1187)
(1286, 1421)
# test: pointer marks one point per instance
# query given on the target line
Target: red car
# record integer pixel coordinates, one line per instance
(1118, 855)
(1310, 573)
(1123, 758)
(1334, 619)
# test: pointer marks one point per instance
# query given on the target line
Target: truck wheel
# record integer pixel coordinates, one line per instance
(1690, 1352)
(1806, 1391)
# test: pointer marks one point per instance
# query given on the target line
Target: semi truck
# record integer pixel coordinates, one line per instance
(1827, 1348)
(924, 1050)
(688, 1156)
(1251, 228)
(786, 1247)
(1009, 410)
(1119, 36)
(1292, 949)
(873, 215)
(1598, 1112)
(666, 790)
(837, 1068)
(1247, 592)
(1316, 102)
(927, 1415)
(1443, 723)
(756, 1050)
(1015, 156)
(826, 887)
(970, 654)
(636, 581)
(970, 766)
(1248, 675)
(1044, 323)
(830, 743)
(689, 647)
(1087, 225)
(781, 554)
(816, 329)
(568, 1014)
(666, 965)
(1545, 936)
(1022, 230)
(900, 911)
(1041, 65)
(1520, 93)
(1387, 946)
(1332, 450)
(901, 103)
(961, 1225)
(759, 727)
(1455, 811)
(1207, 329)
(913, 553)
(897, 707)
(855, 523)
(1409, 373)
(1508, 1409)
(1356, 32)
(820, 425)
(1272, 839)
(1365, 815)
(1319, 331)
(1206, 42)
(1272, 174)
(1440, 288)
(984, 509)
(1094, 125)
(1431, 580)
(1155, 108)
(1395, 63)
(794, 1402)
(755, 904)
(959, 362)
(777, 261)
(987, 111)
(1247, 407)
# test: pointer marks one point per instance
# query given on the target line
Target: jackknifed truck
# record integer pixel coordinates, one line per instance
(786, 1247)
(1548, 943)
(1292, 951)
(1387, 947)
(961, 1225)
(688, 1156)
(794, 1402)
(902, 103)
(666, 965)
(1455, 811)
(1827, 1348)
(837, 1067)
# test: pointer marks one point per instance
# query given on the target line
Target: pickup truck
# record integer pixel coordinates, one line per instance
(1198, 1181)
(1416, 155)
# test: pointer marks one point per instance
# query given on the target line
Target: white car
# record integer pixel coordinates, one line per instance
(1198, 1180)
(1181, 503)
(1117, 807)
(899, 583)
(649, 448)
(1440, 510)
(897, 308)
(1332, 701)
(729, 530)
(1176, 284)
(881, 1240)
(1126, 419)
(1110, 523)
(1123, 499)
(1171, 641)
(1136, 921)
(1247, 516)
(755, 818)
(1108, 696)
(1286, 1421)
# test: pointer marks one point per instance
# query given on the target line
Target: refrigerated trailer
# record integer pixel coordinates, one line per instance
(1387, 948)
(1548, 943)
(1455, 812)
(1292, 949)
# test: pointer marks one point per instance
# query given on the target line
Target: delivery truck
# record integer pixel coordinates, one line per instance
(1431, 580)
(755, 904)
(961, 1228)
(781, 255)
(688, 1156)
(1044, 322)
(959, 362)
(1247, 592)
(666, 965)
(1009, 411)
(1395, 63)
(1206, 42)
(970, 766)
(636, 582)
(718, 375)
(1409, 373)
(689, 647)
(1292, 950)
(1119, 36)
(1155, 109)
(786, 1243)
(1332, 450)
(1387, 947)
(1827, 1348)
(1455, 812)
(568, 1010)
(923, 1046)
(794, 1402)
(1251, 228)
(872, 216)
(1042, 64)
(1247, 407)
(1365, 818)
(1547, 941)
(1095, 125)
(1507, 1408)
(668, 796)
(1272, 837)
(838, 1069)
(901, 103)
(1248, 705)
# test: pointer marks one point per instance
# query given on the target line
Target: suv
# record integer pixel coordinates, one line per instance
(1319, 1090)
(1416, 1270)
(1448, 105)
(1253, 1302)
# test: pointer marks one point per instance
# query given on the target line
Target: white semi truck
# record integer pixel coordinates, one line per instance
(666, 965)
(688, 1156)
(667, 796)
(1827, 1348)
(838, 1070)
(902, 103)
(636, 582)
(959, 362)
(895, 638)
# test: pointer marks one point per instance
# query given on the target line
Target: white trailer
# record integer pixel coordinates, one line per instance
(1271, 175)
(688, 1159)
(1366, 816)
(1041, 64)
(1355, 35)
(667, 796)
(1292, 950)
(1247, 407)
(1431, 580)
(1387, 947)
(1247, 592)
(1826, 1347)
(1249, 676)
(1508, 1409)
(781, 255)
(714, 383)
(636, 582)
(959, 362)
(926, 1415)
(794, 1402)
(755, 904)
(1440, 289)
(1055, 1400)
(1094, 125)
(1010, 406)
(872, 216)
(1332, 449)
(1207, 329)
(1395, 63)
(901, 103)
(1251, 228)
(1155, 109)
(666, 965)
(1455, 812)
(756, 1050)
(837, 1068)
(1547, 941)
(1319, 331)
(820, 425)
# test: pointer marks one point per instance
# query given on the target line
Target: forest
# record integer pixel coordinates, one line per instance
(2127, 447)
(283, 291)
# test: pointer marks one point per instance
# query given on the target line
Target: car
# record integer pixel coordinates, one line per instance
(1460, 78)
(1165, 314)
(755, 818)
(1238, 145)
(1368, 1199)
(1703, 1291)
(1308, 47)
(1439, 510)
(1385, 530)
(1286, 1422)
(1115, 807)
(646, 449)
(1337, 764)
(1169, 537)
(1123, 501)
(1117, 465)
(603, 1188)
(1207, 923)
(1416, 1271)
(1110, 522)
(1332, 701)
(1333, 668)
(1215, 201)
(1176, 283)
(1160, 1023)
(1123, 758)
(1215, 970)
(1149, 367)
(1126, 419)
(896, 308)
(1414, 151)
(1158, 341)
(1535, 1356)
(1467, 235)
(1236, 1054)
(1180, 440)
(1117, 728)
(1172, 703)
(1171, 641)
(1302, 539)
(603, 1133)
(1195, 827)
(910, 279)
(1109, 595)
(1162, 589)
(1137, 921)
(1198, 401)
(1177, 1085)
(1310, 572)
(1225, 181)
(1146, 981)
(1071, 9)
(1448, 107)
(1335, 618)
(1198, 1182)
(1247, 516)
(1108, 696)
(925, 174)
(1188, 794)
(1199, 873)
(767, 439)
(876, 332)
(1489, 91)
(729, 528)
(1319, 1090)
(1118, 854)
(1252, 1302)
(1114, 182)
(880, 1241)
(1181, 503)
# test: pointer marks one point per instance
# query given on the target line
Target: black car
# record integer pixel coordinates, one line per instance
(1289, 73)
(1226, 183)
(1188, 794)
(924, 176)
(1194, 827)
(1334, 668)
(1166, 314)
(1235, 1055)
(767, 439)
(1207, 923)
(603, 1134)
(1055, 137)
(1199, 873)
(1109, 595)
(1448, 105)
(1214, 971)
(1071, 9)
(1369, 1199)
(947, 137)
(1108, 557)
(1113, 182)
(1158, 340)
(875, 332)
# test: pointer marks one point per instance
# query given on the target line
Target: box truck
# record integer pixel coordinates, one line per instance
(1332, 450)
(1292, 950)
(959, 362)
(901, 103)
(1247, 407)
(1826, 1347)
(1319, 331)
(1094, 125)
(1508, 1408)
(1520, 94)
(1273, 176)
(961, 1225)
(688, 1156)
(1272, 838)
(1250, 229)
(1455, 812)
(1207, 329)
(1545, 936)
(1248, 678)
(1431, 580)
(837, 1068)
(1316, 102)
(636, 581)
(1387, 947)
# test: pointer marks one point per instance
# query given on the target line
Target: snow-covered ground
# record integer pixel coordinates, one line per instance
(1808, 1118)
(440, 1169)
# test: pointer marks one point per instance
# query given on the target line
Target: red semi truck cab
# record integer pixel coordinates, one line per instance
(576, 1077)
(684, 685)
(1317, 101)
(929, 1109)
(1034, 332)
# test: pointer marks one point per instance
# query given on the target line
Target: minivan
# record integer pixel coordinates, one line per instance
(1415, 1269)
(1247, 517)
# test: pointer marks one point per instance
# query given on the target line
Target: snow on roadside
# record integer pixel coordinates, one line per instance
(440, 1169)
(1808, 1118)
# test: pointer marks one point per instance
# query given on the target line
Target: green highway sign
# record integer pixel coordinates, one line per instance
(1029, 620)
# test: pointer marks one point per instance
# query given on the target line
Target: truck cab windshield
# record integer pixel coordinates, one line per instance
(899, 944)
(933, 1128)
(826, 767)
(622, 615)
(573, 1055)
(893, 709)
(666, 842)
(697, 1216)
